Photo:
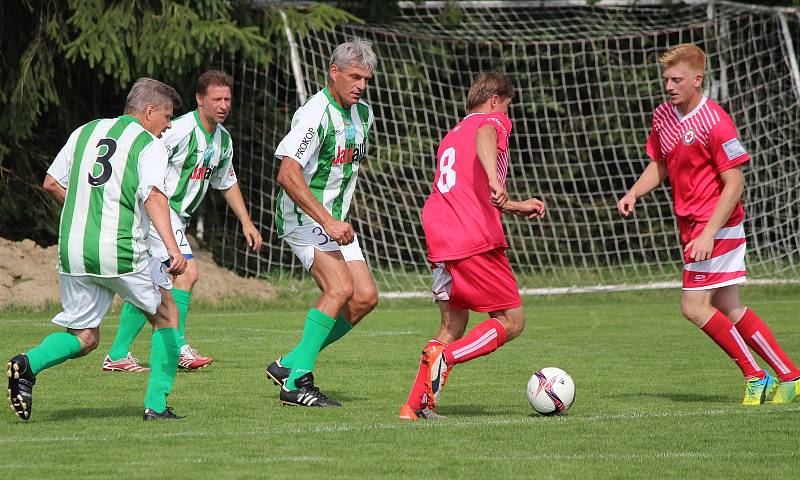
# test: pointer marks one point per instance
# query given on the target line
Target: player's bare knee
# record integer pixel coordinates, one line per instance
(342, 293)
(88, 339)
(694, 313)
(192, 276)
(364, 302)
(514, 328)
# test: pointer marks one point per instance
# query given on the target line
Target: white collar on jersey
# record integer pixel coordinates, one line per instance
(690, 114)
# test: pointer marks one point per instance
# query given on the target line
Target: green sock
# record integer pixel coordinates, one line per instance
(339, 330)
(304, 356)
(131, 321)
(55, 348)
(164, 354)
(182, 298)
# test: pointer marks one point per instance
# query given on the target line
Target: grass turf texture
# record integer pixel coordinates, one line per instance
(654, 397)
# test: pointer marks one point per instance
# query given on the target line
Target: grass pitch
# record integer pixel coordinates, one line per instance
(655, 397)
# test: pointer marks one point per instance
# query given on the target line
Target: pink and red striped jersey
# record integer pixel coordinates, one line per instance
(696, 149)
(458, 217)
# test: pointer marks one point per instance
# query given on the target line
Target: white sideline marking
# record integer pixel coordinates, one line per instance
(466, 422)
(595, 289)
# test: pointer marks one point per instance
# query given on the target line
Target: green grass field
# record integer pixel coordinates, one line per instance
(655, 397)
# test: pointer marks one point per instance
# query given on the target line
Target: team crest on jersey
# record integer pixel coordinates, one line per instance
(688, 136)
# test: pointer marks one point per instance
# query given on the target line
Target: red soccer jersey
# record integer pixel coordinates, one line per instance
(696, 149)
(458, 217)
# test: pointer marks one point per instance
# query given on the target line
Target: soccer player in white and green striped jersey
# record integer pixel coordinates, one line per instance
(200, 155)
(110, 179)
(320, 158)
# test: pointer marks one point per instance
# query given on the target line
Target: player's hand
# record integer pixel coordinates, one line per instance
(253, 236)
(341, 232)
(498, 194)
(701, 247)
(177, 263)
(626, 204)
(533, 208)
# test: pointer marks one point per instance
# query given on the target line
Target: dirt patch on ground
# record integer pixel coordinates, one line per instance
(28, 276)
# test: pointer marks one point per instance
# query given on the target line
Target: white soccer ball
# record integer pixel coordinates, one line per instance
(551, 391)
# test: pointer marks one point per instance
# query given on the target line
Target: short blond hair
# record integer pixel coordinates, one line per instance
(485, 86)
(687, 53)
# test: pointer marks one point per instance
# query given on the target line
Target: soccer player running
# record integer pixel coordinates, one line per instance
(466, 244)
(200, 154)
(320, 158)
(110, 179)
(693, 141)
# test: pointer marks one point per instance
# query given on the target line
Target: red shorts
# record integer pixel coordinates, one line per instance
(482, 283)
(726, 265)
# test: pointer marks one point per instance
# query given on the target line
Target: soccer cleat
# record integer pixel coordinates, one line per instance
(20, 386)
(757, 390)
(167, 414)
(408, 413)
(277, 372)
(124, 364)
(306, 395)
(190, 360)
(438, 371)
(786, 392)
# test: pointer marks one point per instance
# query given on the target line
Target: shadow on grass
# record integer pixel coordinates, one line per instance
(475, 410)
(677, 397)
(118, 411)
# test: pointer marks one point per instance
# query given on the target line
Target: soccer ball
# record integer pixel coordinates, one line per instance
(551, 391)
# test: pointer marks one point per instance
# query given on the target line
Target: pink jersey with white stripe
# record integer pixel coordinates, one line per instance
(696, 149)
(458, 217)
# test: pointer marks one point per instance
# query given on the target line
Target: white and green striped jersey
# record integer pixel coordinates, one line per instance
(197, 159)
(109, 167)
(329, 142)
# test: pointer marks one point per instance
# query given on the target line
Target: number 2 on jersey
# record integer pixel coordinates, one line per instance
(447, 176)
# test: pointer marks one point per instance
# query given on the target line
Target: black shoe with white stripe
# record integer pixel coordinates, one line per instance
(277, 372)
(20, 386)
(306, 395)
(167, 414)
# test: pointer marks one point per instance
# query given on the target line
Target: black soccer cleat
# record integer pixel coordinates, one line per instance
(167, 414)
(20, 386)
(306, 395)
(277, 372)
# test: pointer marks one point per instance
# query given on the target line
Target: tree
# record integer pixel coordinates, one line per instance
(66, 62)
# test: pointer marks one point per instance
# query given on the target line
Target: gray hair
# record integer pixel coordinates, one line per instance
(147, 91)
(356, 52)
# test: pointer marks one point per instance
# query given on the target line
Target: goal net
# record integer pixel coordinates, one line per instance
(587, 80)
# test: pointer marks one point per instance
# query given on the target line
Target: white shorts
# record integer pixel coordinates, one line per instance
(87, 298)
(157, 248)
(306, 239)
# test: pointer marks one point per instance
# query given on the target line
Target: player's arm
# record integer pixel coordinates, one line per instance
(486, 148)
(531, 208)
(652, 177)
(55, 189)
(157, 207)
(233, 197)
(733, 180)
(290, 178)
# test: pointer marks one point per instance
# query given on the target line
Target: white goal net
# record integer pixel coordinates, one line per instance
(587, 80)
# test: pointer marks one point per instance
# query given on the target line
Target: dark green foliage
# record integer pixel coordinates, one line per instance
(64, 63)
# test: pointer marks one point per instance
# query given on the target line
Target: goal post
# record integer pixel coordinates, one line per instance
(587, 81)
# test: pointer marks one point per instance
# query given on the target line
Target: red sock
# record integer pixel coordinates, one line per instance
(759, 337)
(484, 339)
(722, 331)
(416, 399)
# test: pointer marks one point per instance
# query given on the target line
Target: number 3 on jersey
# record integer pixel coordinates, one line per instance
(447, 176)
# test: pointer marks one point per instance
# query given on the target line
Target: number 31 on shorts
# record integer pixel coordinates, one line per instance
(447, 176)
